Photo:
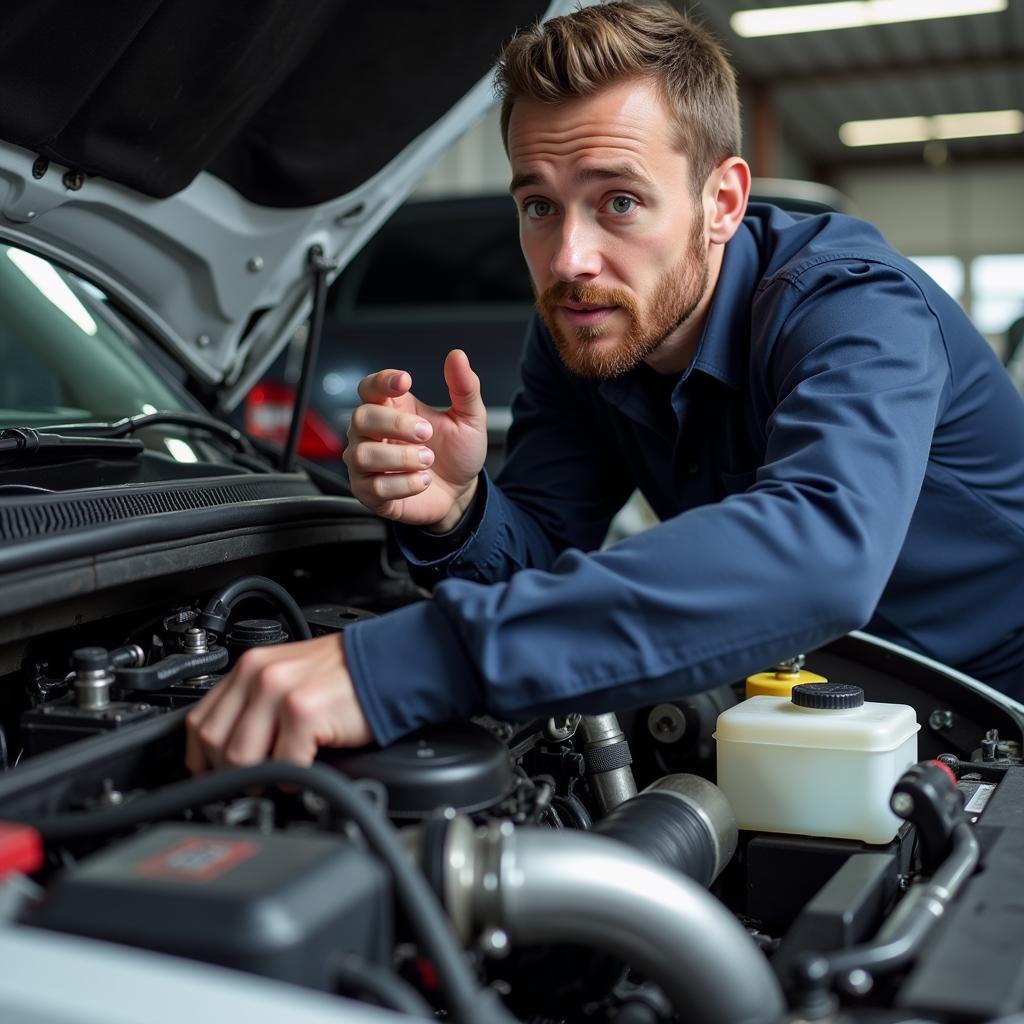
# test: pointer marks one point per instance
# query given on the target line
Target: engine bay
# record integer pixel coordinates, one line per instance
(579, 868)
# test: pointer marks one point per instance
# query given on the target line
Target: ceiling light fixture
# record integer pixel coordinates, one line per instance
(779, 21)
(891, 130)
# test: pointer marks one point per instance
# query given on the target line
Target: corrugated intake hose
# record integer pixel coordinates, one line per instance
(681, 821)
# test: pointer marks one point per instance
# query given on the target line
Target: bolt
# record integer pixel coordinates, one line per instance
(254, 264)
(902, 805)
(203, 341)
(73, 180)
(40, 166)
(939, 719)
(790, 666)
(195, 639)
(666, 723)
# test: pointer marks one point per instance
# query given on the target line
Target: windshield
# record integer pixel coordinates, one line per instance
(66, 354)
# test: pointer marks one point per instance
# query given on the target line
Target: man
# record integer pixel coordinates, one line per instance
(827, 440)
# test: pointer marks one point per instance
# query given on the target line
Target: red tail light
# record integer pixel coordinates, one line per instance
(268, 415)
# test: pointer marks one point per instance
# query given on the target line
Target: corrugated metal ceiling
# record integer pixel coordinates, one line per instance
(816, 81)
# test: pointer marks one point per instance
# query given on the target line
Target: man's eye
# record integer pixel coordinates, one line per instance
(537, 208)
(622, 204)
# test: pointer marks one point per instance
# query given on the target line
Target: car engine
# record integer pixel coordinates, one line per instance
(579, 868)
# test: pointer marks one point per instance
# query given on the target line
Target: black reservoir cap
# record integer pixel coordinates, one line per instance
(831, 696)
(256, 633)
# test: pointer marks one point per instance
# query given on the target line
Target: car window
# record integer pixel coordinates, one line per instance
(66, 353)
(478, 262)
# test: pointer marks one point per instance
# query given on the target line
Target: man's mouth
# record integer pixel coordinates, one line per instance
(584, 314)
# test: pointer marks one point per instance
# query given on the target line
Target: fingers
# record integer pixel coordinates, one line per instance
(384, 422)
(377, 457)
(384, 384)
(284, 701)
(386, 456)
(463, 385)
(381, 488)
(211, 723)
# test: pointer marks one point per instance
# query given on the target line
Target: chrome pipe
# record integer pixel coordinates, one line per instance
(540, 886)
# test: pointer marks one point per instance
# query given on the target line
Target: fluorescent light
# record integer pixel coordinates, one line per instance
(779, 21)
(53, 286)
(984, 122)
(890, 130)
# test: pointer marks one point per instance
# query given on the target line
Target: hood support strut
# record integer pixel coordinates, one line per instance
(321, 266)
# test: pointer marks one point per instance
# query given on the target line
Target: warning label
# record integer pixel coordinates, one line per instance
(976, 804)
(196, 859)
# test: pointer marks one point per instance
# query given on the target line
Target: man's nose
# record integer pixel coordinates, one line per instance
(577, 255)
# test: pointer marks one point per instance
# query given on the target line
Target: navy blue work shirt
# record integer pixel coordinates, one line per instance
(844, 449)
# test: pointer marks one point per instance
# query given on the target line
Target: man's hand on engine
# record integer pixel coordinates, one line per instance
(411, 463)
(283, 702)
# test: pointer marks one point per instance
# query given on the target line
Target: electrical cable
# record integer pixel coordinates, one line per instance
(470, 1004)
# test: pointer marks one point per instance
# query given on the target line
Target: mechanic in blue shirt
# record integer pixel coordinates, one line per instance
(827, 440)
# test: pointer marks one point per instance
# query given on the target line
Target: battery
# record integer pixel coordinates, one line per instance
(281, 905)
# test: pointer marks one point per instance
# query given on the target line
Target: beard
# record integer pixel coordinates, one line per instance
(675, 297)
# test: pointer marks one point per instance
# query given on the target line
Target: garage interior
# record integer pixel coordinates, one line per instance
(951, 199)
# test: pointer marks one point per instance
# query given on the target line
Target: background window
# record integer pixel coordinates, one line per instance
(946, 271)
(997, 284)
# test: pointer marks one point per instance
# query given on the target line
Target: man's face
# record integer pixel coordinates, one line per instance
(610, 230)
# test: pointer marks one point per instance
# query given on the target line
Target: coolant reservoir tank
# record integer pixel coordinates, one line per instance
(822, 762)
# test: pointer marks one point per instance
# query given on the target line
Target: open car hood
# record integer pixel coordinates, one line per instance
(187, 157)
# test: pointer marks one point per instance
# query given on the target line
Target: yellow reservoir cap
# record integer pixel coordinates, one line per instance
(779, 684)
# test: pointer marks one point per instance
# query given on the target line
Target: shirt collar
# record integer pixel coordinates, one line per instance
(723, 348)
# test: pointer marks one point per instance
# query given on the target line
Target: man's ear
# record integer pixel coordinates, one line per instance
(725, 198)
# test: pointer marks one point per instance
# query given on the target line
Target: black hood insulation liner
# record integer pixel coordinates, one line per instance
(290, 103)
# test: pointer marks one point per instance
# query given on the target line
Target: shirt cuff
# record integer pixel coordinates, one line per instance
(434, 557)
(409, 668)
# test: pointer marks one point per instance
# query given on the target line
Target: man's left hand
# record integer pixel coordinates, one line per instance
(283, 702)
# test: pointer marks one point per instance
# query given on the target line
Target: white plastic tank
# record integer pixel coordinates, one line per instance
(822, 762)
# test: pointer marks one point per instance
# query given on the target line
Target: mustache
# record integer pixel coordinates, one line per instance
(587, 294)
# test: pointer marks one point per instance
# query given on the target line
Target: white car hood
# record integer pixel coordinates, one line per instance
(221, 280)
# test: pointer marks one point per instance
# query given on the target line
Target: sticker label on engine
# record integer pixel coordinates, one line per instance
(979, 798)
(196, 859)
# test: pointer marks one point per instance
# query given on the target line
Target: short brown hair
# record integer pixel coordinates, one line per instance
(581, 53)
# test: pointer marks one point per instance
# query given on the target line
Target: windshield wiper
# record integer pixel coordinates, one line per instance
(245, 453)
(23, 444)
(128, 425)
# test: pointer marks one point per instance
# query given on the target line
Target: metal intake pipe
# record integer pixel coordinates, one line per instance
(538, 886)
(607, 757)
